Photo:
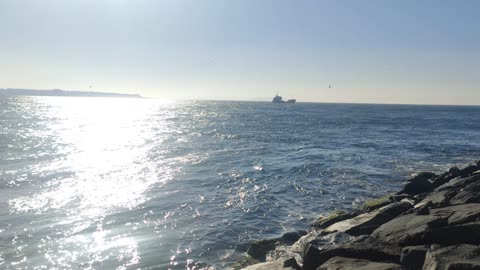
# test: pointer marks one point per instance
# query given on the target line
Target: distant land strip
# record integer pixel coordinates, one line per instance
(62, 93)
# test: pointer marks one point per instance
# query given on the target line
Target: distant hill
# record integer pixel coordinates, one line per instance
(62, 93)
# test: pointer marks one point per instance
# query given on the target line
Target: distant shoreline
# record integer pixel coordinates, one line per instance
(62, 93)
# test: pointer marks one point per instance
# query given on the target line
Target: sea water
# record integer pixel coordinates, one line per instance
(97, 183)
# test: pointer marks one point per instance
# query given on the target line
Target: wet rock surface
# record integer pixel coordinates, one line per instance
(433, 223)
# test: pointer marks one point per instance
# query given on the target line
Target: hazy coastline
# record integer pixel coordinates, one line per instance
(62, 93)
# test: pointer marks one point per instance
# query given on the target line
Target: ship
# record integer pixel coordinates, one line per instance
(279, 99)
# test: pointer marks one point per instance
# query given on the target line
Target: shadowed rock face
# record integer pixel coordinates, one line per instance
(414, 257)
(337, 263)
(454, 257)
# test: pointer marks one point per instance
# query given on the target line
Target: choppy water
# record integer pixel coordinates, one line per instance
(125, 183)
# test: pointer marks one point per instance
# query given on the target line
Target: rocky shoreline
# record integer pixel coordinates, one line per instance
(433, 223)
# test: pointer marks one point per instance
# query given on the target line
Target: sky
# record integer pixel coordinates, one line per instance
(375, 51)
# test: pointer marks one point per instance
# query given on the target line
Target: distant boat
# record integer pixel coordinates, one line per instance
(279, 99)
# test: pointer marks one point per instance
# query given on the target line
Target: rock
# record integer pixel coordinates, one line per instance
(292, 237)
(469, 170)
(423, 209)
(417, 185)
(244, 262)
(459, 214)
(368, 249)
(336, 238)
(259, 249)
(374, 204)
(454, 257)
(426, 175)
(437, 199)
(413, 257)
(468, 233)
(283, 264)
(459, 183)
(342, 263)
(444, 178)
(469, 194)
(412, 229)
(399, 197)
(368, 222)
(317, 239)
(333, 218)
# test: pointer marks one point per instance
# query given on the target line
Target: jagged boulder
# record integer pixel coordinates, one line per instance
(420, 183)
(414, 229)
(366, 223)
(292, 237)
(468, 233)
(453, 258)
(459, 183)
(437, 199)
(413, 257)
(444, 178)
(258, 250)
(368, 249)
(342, 263)
(469, 194)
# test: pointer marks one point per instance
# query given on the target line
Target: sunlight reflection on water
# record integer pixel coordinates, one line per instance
(106, 146)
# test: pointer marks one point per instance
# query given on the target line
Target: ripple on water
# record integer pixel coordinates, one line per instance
(127, 184)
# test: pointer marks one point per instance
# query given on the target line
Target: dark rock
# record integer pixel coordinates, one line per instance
(413, 257)
(459, 183)
(444, 178)
(468, 233)
(423, 175)
(282, 264)
(438, 223)
(368, 222)
(469, 194)
(292, 237)
(337, 263)
(417, 185)
(468, 170)
(259, 249)
(337, 216)
(291, 263)
(412, 229)
(454, 257)
(424, 209)
(463, 266)
(369, 249)
(242, 247)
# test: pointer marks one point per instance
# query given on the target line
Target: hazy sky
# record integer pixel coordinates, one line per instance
(370, 51)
